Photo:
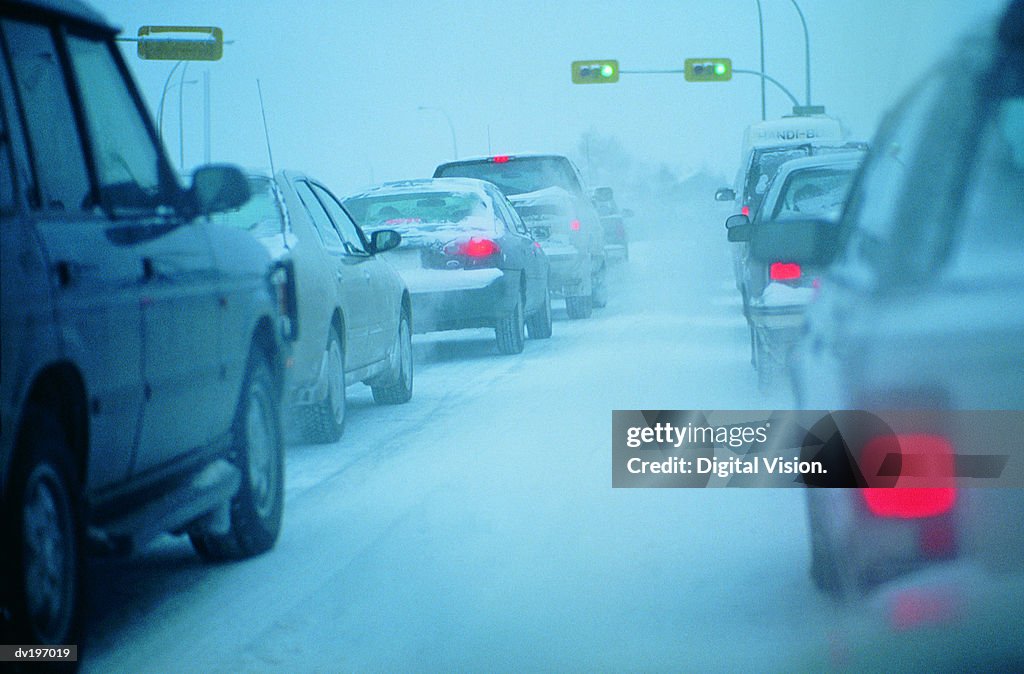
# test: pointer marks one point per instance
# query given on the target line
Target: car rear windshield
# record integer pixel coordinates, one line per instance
(819, 191)
(518, 175)
(541, 212)
(420, 213)
(260, 215)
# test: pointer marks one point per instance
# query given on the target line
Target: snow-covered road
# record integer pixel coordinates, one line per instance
(475, 528)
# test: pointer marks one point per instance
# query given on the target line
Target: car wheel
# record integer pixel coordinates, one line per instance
(600, 292)
(579, 306)
(539, 324)
(325, 421)
(826, 570)
(258, 451)
(400, 391)
(510, 330)
(46, 517)
(766, 364)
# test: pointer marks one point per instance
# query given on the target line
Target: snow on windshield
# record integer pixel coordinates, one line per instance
(422, 216)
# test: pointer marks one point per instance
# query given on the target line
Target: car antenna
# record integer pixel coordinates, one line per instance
(266, 131)
(273, 173)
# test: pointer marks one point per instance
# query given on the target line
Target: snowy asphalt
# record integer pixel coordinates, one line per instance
(475, 528)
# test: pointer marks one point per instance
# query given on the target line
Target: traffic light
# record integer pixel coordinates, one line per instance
(595, 72)
(181, 43)
(708, 70)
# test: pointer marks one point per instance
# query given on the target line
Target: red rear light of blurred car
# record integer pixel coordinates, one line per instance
(574, 225)
(909, 502)
(474, 247)
(923, 459)
(745, 211)
(784, 271)
(500, 159)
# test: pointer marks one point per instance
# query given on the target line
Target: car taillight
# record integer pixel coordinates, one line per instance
(745, 211)
(574, 225)
(784, 271)
(473, 247)
(282, 284)
(913, 459)
(500, 159)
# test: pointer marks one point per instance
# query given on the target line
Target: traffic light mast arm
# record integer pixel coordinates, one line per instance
(770, 79)
(735, 70)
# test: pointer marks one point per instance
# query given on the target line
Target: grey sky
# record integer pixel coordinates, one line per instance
(343, 80)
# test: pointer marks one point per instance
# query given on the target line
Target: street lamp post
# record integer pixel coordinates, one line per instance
(807, 52)
(760, 30)
(451, 127)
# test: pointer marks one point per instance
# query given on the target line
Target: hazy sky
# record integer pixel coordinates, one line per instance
(343, 80)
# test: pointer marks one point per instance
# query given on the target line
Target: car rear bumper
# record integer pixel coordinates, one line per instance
(568, 272)
(459, 298)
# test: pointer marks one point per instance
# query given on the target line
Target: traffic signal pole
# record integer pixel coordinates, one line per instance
(764, 77)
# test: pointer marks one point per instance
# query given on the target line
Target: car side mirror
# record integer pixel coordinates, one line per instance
(812, 241)
(627, 213)
(384, 240)
(725, 194)
(738, 228)
(218, 187)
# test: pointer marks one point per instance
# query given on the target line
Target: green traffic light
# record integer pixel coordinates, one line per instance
(719, 68)
(607, 70)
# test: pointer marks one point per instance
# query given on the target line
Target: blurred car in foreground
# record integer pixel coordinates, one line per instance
(569, 244)
(142, 344)
(777, 282)
(924, 310)
(523, 173)
(467, 257)
(613, 220)
(354, 316)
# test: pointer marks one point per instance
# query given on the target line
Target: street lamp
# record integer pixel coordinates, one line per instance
(451, 127)
(807, 51)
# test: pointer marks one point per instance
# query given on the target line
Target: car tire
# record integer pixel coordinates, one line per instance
(826, 570)
(510, 330)
(45, 518)
(539, 324)
(579, 306)
(599, 296)
(768, 369)
(258, 452)
(400, 389)
(324, 421)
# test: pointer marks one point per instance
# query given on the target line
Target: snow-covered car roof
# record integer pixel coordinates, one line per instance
(822, 160)
(425, 185)
(511, 155)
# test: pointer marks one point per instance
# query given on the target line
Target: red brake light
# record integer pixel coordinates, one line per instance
(745, 211)
(784, 271)
(500, 159)
(574, 225)
(474, 247)
(926, 459)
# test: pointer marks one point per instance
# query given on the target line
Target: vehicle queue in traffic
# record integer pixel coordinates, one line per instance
(863, 271)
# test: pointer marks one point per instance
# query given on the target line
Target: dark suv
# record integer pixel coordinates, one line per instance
(141, 344)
